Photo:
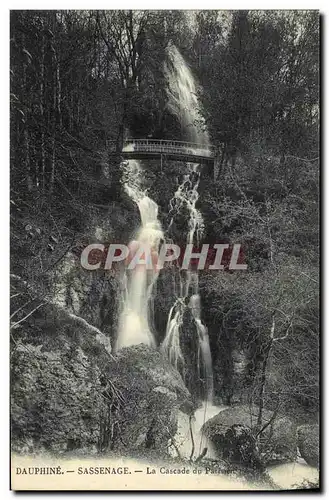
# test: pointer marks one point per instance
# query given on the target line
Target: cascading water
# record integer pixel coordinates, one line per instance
(135, 320)
(204, 346)
(136, 316)
(183, 100)
(187, 196)
(184, 103)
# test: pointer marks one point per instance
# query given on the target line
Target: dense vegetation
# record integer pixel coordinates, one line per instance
(81, 79)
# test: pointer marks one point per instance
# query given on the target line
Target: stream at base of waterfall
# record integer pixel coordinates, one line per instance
(286, 476)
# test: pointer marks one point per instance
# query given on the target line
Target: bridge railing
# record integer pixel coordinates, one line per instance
(166, 146)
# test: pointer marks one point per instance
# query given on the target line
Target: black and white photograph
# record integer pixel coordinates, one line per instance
(164, 250)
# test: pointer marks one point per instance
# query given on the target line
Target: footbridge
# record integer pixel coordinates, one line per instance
(172, 150)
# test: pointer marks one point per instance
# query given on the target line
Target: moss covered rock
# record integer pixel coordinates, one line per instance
(69, 392)
(151, 393)
(308, 443)
(57, 401)
(277, 443)
(239, 445)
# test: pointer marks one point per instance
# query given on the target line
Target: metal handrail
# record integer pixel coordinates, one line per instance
(168, 141)
(194, 152)
(164, 146)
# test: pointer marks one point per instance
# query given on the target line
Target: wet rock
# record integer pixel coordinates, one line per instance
(236, 444)
(240, 446)
(277, 443)
(308, 443)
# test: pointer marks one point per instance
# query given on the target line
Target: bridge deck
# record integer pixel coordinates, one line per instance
(173, 150)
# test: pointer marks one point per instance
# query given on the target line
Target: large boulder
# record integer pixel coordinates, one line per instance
(239, 445)
(308, 443)
(69, 392)
(58, 362)
(57, 401)
(150, 394)
(277, 443)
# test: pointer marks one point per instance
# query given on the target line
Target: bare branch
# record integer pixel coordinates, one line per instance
(192, 437)
(15, 325)
(309, 277)
(20, 308)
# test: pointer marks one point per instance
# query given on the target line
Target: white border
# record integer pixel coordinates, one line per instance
(169, 4)
(4, 182)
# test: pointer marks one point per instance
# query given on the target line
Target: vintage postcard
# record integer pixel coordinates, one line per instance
(164, 250)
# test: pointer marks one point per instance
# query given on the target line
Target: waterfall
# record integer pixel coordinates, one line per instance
(204, 346)
(135, 319)
(183, 102)
(189, 299)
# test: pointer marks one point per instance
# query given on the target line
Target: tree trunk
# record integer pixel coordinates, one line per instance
(54, 107)
(41, 107)
(262, 383)
(26, 134)
(27, 161)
